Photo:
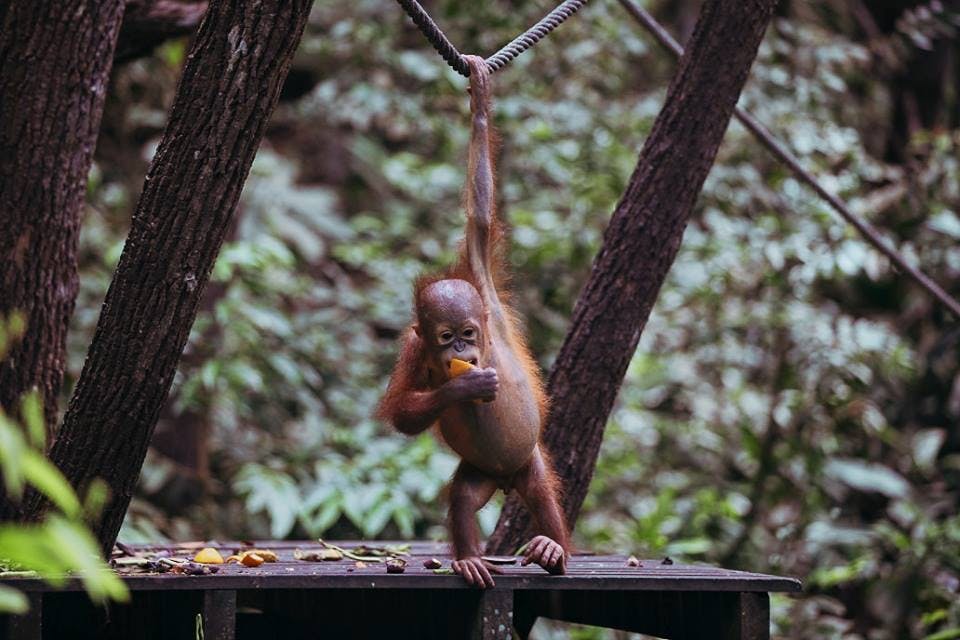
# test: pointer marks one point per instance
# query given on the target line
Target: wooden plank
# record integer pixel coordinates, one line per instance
(413, 580)
(585, 572)
(219, 614)
(291, 574)
(29, 626)
(494, 617)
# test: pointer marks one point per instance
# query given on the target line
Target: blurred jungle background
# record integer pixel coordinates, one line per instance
(793, 405)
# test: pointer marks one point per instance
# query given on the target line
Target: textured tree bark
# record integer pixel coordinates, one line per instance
(230, 85)
(639, 246)
(55, 60)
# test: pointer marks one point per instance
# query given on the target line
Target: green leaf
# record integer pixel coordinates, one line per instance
(31, 408)
(81, 553)
(926, 445)
(403, 517)
(946, 222)
(43, 475)
(327, 516)
(689, 547)
(13, 601)
(377, 518)
(31, 548)
(16, 324)
(827, 577)
(869, 477)
(172, 52)
(12, 448)
(273, 492)
(96, 499)
(932, 617)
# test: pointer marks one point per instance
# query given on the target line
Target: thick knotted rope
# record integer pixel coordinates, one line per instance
(501, 58)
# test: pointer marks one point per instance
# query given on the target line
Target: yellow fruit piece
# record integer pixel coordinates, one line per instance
(459, 367)
(266, 554)
(233, 558)
(208, 555)
(250, 559)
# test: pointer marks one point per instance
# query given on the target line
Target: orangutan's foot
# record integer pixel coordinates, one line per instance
(546, 553)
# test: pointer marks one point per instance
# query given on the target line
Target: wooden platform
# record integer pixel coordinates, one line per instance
(339, 599)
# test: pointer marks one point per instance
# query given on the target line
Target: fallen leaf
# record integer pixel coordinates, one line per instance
(317, 555)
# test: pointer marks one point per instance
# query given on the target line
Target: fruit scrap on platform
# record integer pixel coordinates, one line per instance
(208, 555)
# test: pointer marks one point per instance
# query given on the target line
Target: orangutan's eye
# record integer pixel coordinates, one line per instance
(446, 336)
(469, 333)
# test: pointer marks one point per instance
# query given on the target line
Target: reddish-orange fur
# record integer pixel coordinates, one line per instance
(409, 373)
(419, 394)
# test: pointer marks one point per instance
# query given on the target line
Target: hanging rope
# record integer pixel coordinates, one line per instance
(534, 34)
(436, 37)
(501, 58)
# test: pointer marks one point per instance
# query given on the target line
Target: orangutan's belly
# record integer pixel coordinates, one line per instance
(497, 437)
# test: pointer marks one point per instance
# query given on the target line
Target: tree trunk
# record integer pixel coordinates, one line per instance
(639, 246)
(229, 87)
(55, 60)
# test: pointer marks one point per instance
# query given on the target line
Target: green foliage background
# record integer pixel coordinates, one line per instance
(792, 407)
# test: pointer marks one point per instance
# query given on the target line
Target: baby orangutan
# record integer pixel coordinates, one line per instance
(491, 416)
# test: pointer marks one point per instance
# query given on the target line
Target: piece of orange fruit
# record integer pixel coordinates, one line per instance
(266, 554)
(251, 560)
(459, 367)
